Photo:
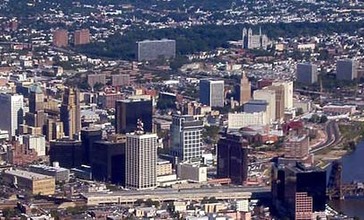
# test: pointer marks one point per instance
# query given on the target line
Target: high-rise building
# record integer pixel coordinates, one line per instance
(37, 143)
(71, 113)
(270, 97)
(35, 119)
(232, 158)
(120, 79)
(288, 92)
(36, 98)
(11, 112)
(279, 91)
(60, 38)
(127, 113)
(186, 137)
(296, 147)
(245, 89)
(54, 129)
(141, 159)
(306, 73)
(289, 180)
(81, 37)
(89, 135)
(212, 92)
(108, 161)
(148, 50)
(93, 79)
(346, 69)
(303, 206)
(68, 153)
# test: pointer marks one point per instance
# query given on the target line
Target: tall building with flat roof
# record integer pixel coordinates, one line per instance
(71, 113)
(127, 113)
(12, 112)
(81, 37)
(270, 97)
(232, 158)
(148, 50)
(212, 92)
(141, 160)
(346, 69)
(89, 135)
(186, 137)
(68, 153)
(245, 89)
(306, 73)
(60, 38)
(288, 92)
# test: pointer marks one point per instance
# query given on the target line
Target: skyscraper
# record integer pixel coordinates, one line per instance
(35, 119)
(89, 136)
(306, 73)
(270, 97)
(60, 38)
(81, 37)
(279, 93)
(141, 159)
(232, 158)
(11, 112)
(346, 69)
(108, 161)
(70, 113)
(288, 92)
(186, 137)
(245, 89)
(212, 92)
(68, 153)
(127, 113)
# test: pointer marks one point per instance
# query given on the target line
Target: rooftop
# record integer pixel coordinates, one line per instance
(26, 174)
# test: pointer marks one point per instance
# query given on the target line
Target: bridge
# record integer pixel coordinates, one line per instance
(336, 189)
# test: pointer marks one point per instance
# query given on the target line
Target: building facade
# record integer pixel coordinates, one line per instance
(306, 73)
(81, 37)
(212, 92)
(245, 89)
(12, 112)
(71, 113)
(149, 50)
(60, 38)
(346, 69)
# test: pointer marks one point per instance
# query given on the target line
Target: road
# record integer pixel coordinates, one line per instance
(333, 137)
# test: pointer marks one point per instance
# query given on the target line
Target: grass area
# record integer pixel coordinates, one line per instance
(352, 131)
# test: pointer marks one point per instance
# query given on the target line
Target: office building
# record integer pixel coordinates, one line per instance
(71, 113)
(346, 69)
(68, 153)
(306, 73)
(186, 137)
(232, 158)
(245, 89)
(164, 167)
(35, 183)
(194, 172)
(36, 117)
(255, 106)
(253, 41)
(270, 97)
(89, 135)
(81, 37)
(36, 142)
(303, 206)
(11, 112)
(288, 92)
(60, 174)
(212, 92)
(141, 159)
(127, 113)
(296, 147)
(60, 38)
(280, 100)
(108, 161)
(289, 180)
(149, 50)
(243, 119)
(54, 129)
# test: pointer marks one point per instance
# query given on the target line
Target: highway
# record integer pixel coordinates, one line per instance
(197, 194)
(333, 137)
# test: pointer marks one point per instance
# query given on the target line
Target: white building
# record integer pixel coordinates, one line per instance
(243, 119)
(270, 97)
(36, 142)
(212, 92)
(11, 112)
(192, 172)
(141, 160)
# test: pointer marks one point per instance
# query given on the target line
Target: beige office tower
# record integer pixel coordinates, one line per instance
(36, 117)
(245, 89)
(280, 94)
(288, 92)
(54, 129)
(270, 97)
(141, 160)
(70, 113)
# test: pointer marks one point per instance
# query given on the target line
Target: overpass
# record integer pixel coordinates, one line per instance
(196, 194)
